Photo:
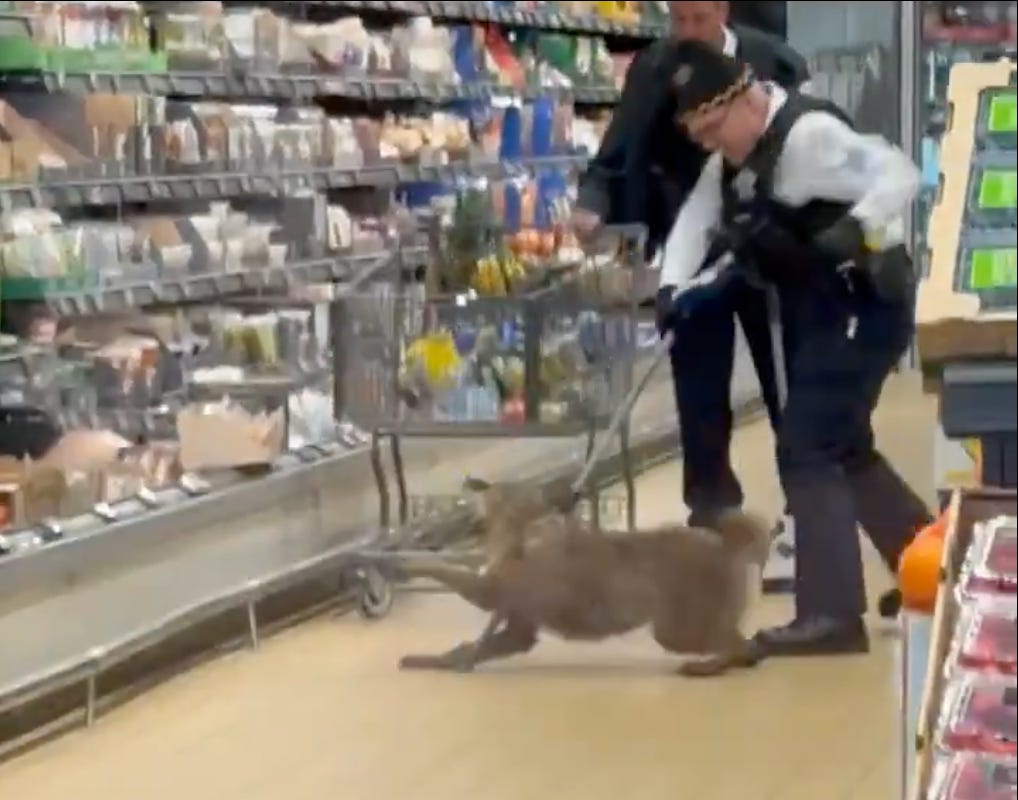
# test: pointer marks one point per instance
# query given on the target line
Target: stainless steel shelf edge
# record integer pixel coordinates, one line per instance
(134, 641)
(509, 16)
(212, 286)
(63, 563)
(116, 189)
(230, 83)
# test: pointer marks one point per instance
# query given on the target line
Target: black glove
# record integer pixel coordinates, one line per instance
(843, 241)
(738, 236)
(664, 309)
(672, 305)
(889, 272)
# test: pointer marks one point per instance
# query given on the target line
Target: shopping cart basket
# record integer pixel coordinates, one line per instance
(553, 362)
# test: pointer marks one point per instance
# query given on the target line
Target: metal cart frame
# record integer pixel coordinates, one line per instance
(532, 310)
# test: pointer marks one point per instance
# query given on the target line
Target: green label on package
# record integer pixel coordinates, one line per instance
(1003, 114)
(993, 268)
(998, 190)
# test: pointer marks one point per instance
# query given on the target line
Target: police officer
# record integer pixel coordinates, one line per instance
(815, 208)
(643, 173)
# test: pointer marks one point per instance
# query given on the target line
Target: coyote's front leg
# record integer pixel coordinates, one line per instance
(514, 638)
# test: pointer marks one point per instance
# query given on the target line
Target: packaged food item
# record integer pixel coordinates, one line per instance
(992, 567)
(981, 716)
(986, 640)
(974, 778)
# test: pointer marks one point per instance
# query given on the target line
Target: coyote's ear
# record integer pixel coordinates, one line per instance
(476, 485)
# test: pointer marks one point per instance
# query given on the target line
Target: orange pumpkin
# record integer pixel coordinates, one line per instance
(919, 568)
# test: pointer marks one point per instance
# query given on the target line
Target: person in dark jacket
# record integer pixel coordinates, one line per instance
(642, 173)
(806, 202)
(770, 17)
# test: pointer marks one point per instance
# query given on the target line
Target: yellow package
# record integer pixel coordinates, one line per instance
(436, 353)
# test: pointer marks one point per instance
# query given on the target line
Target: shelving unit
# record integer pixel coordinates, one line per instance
(966, 231)
(967, 302)
(137, 171)
(948, 34)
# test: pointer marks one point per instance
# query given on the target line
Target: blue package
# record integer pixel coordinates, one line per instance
(465, 337)
(418, 195)
(551, 185)
(464, 53)
(513, 207)
(511, 146)
(543, 127)
(930, 160)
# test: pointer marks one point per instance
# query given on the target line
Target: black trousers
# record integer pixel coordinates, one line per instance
(703, 360)
(834, 478)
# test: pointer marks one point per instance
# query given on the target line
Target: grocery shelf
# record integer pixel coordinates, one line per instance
(170, 290)
(117, 189)
(136, 184)
(237, 84)
(503, 15)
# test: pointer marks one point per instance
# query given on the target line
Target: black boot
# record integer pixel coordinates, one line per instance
(814, 636)
(889, 604)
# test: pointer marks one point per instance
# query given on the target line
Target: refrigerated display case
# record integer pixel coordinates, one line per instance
(944, 34)
(948, 33)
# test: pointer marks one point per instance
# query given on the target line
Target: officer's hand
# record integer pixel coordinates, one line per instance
(843, 241)
(585, 224)
(665, 310)
(673, 305)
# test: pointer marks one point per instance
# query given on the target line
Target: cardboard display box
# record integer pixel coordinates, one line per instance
(225, 436)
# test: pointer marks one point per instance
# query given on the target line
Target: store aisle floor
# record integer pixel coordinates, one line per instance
(321, 712)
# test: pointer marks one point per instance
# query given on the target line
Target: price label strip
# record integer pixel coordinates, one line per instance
(988, 269)
(993, 193)
(998, 119)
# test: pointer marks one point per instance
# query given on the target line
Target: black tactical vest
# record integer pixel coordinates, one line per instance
(808, 220)
(783, 251)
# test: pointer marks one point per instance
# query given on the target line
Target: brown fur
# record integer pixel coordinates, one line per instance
(549, 570)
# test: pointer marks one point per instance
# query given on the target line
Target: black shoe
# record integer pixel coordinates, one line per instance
(889, 604)
(814, 636)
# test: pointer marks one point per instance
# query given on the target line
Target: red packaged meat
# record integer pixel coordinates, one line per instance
(987, 639)
(993, 560)
(975, 778)
(981, 716)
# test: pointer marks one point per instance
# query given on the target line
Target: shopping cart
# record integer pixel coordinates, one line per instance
(556, 361)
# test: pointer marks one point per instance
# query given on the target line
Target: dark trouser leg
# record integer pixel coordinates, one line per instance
(838, 370)
(888, 509)
(702, 363)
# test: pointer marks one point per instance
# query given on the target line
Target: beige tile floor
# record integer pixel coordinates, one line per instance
(321, 712)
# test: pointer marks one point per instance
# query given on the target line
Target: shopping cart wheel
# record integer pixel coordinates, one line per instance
(374, 593)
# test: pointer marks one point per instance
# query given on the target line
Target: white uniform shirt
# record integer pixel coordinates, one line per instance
(823, 159)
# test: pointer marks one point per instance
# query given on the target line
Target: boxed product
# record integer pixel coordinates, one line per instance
(224, 436)
(992, 564)
(967, 777)
(980, 715)
(100, 35)
(986, 639)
